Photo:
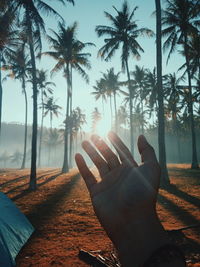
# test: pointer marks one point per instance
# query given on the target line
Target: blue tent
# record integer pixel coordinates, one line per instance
(15, 230)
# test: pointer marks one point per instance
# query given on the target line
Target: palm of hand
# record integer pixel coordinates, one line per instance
(125, 194)
(126, 191)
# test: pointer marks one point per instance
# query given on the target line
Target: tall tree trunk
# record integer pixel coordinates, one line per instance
(161, 123)
(142, 112)
(51, 119)
(116, 118)
(194, 164)
(111, 111)
(41, 130)
(179, 148)
(177, 138)
(130, 109)
(26, 116)
(49, 152)
(65, 167)
(103, 107)
(32, 183)
(71, 125)
(1, 92)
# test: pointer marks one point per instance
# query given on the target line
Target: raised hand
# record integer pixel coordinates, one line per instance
(124, 199)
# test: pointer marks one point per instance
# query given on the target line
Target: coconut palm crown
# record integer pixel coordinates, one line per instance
(123, 32)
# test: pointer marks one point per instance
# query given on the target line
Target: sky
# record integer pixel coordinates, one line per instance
(88, 14)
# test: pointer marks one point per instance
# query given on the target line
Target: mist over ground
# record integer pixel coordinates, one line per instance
(178, 148)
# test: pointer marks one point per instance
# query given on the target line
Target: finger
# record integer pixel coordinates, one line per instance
(106, 152)
(99, 162)
(124, 153)
(146, 150)
(85, 172)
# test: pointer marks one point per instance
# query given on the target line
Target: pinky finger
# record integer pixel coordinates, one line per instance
(85, 172)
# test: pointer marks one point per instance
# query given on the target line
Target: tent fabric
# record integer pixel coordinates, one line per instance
(15, 230)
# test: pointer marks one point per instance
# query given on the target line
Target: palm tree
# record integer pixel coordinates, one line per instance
(78, 120)
(96, 117)
(68, 52)
(194, 54)
(16, 157)
(139, 78)
(139, 120)
(112, 86)
(33, 25)
(122, 116)
(52, 140)
(45, 88)
(124, 31)
(151, 85)
(20, 67)
(8, 37)
(100, 92)
(181, 21)
(174, 105)
(51, 108)
(161, 122)
(4, 157)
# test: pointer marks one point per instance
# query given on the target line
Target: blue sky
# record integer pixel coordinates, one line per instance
(88, 14)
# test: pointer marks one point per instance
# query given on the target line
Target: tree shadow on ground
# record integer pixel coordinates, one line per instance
(43, 213)
(173, 189)
(20, 178)
(189, 246)
(47, 209)
(27, 190)
(178, 212)
(186, 173)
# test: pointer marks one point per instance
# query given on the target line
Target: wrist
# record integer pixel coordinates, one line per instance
(139, 240)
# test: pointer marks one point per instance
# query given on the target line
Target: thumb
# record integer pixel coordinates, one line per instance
(146, 150)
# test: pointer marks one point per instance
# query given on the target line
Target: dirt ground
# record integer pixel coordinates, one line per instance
(61, 212)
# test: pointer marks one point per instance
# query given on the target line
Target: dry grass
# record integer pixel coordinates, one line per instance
(62, 214)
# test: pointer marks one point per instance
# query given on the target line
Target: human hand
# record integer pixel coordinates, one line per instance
(124, 200)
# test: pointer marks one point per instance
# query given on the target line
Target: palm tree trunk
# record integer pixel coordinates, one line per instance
(71, 125)
(178, 146)
(51, 118)
(41, 130)
(130, 108)
(142, 112)
(1, 92)
(32, 183)
(177, 138)
(76, 143)
(111, 111)
(49, 152)
(161, 123)
(65, 167)
(194, 164)
(70, 141)
(25, 130)
(103, 107)
(116, 118)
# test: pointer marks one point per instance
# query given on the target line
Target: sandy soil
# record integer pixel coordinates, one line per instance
(62, 215)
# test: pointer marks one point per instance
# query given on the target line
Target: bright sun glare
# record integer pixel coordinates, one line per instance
(103, 127)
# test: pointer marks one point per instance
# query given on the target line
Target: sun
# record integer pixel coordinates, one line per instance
(103, 127)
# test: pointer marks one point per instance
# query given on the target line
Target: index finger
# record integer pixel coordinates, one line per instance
(85, 172)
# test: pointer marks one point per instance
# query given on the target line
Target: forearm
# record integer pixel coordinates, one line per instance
(140, 240)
